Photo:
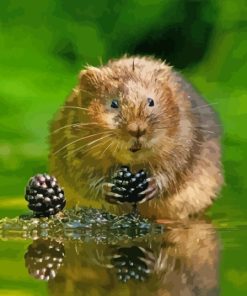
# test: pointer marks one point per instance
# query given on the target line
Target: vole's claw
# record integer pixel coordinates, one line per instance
(112, 199)
(150, 192)
(149, 196)
(107, 187)
(110, 196)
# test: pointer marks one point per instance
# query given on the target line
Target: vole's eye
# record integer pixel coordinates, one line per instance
(150, 102)
(114, 104)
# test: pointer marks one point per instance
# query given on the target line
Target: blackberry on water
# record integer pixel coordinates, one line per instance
(129, 185)
(45, 197)
(44, 258)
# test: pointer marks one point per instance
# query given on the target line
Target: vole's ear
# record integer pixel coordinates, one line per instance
(164, 73)
(90, 78)
(100, 80)
(166, 77)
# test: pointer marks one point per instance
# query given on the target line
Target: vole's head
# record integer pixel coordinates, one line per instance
(135, 101)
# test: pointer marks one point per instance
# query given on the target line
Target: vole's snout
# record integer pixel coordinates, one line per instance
(136, 129)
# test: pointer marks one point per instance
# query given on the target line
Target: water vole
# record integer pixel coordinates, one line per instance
(137, 111)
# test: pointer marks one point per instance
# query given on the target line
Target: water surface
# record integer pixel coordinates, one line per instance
(88, 255)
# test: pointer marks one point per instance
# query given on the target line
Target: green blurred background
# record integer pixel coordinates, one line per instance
(44, 44)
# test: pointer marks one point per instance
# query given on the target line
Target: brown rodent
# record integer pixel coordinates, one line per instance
(138, 111)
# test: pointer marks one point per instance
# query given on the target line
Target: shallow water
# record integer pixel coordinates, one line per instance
(79, 255)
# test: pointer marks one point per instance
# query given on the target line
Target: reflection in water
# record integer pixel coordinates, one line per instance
(181, 261)
(43, 258)
(131, 263)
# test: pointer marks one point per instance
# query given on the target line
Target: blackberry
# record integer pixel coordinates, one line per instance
(44, 258)
(128, 185)
(44, 195)
(130, 263)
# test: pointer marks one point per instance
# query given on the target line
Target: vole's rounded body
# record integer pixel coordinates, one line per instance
(139, 112)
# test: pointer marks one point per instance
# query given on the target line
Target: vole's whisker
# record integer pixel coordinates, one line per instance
(106, 149)
(74, 107)
(81, 147)
(77, 140)
(73, 125)
(116, 147)
(87, 92)
(122, 147)
(162, 127)
(204, 106)
(157, 117)
(202, 128)
(94, 146)
(108, 135)
(209, 126)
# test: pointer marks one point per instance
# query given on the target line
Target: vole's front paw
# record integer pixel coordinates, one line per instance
(150, 192)
(110, 196)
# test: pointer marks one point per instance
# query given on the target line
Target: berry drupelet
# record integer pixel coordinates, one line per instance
(45, 197)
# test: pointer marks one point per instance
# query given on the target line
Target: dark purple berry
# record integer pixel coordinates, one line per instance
(129, 185)
(45, 197)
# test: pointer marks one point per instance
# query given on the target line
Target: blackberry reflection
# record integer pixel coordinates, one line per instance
(43, 258)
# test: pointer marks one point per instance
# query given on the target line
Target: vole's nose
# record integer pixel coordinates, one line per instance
(136, 130)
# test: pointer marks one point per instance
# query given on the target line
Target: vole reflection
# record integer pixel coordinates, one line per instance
(181, 261)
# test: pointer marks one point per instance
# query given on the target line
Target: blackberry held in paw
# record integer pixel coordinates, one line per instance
(129, 185)
(45, 197)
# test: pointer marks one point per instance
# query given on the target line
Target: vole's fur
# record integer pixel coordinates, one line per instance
(180, 145)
